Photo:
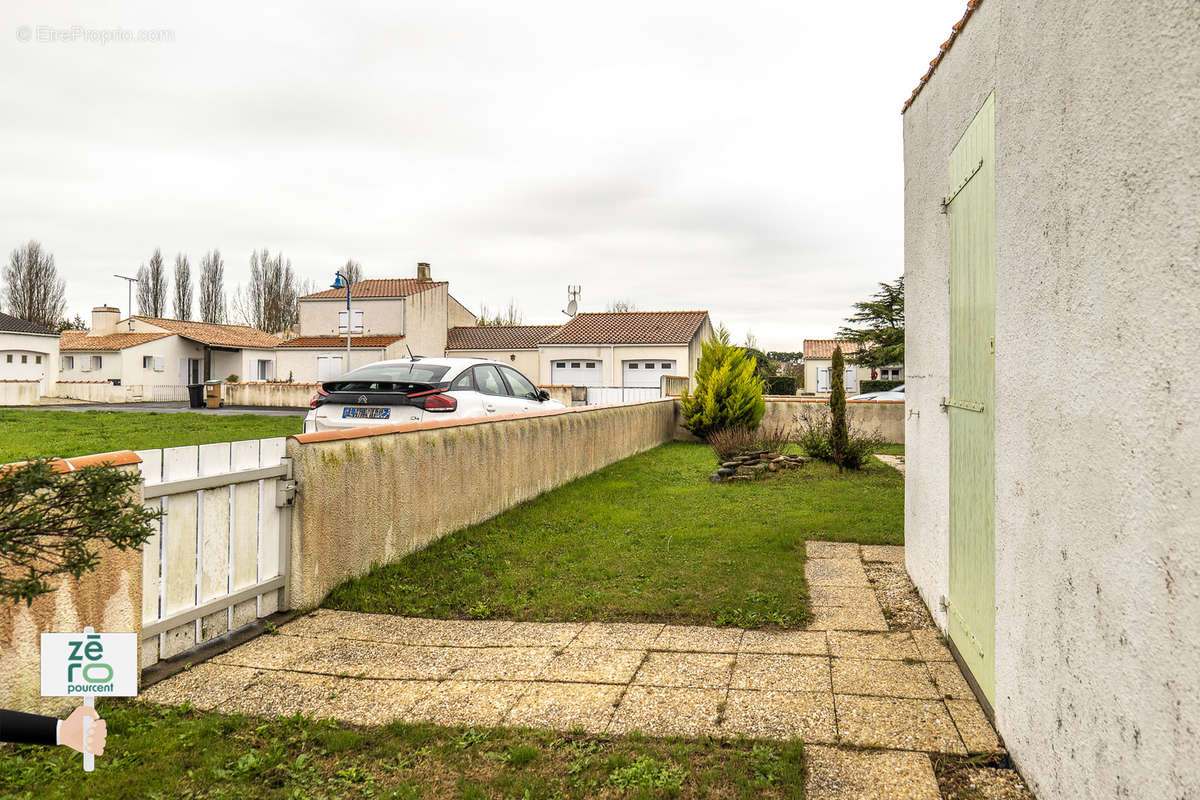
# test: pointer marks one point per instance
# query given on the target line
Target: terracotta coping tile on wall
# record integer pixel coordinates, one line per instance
(117, 458)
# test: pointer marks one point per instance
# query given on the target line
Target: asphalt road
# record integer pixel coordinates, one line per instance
(170, 408)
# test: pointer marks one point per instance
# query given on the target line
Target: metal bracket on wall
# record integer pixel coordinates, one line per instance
(948, 199)
(968, 405)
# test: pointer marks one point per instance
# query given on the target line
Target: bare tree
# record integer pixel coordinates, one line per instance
(152, 287)
(512, 315)
(183, 287)
(353, 271)
(32, 286)
(621, 305)
(270, 300)
(212, 287)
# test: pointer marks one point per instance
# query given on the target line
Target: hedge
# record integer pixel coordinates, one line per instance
(781, 384)
(877, 386)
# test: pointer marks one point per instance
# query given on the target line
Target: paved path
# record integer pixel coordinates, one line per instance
(892, 461)
(847, 680)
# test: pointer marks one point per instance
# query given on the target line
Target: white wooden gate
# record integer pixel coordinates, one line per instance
(219, 558)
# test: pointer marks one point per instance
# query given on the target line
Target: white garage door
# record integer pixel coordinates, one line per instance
(576, 372)
(645, 372)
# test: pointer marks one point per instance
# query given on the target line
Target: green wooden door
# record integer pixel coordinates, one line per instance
(971, 205)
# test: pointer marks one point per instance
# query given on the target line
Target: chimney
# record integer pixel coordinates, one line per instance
(423, 271)
(104, 320)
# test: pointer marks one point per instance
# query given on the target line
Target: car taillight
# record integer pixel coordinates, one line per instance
(317, 397)
(440, 402)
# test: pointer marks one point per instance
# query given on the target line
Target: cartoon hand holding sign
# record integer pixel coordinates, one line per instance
(85, 665)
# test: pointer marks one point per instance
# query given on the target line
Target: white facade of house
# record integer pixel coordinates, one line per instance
(29, 357)
(614, 365)
(1097, 272)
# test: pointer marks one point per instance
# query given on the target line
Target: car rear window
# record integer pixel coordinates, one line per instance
(388, 378)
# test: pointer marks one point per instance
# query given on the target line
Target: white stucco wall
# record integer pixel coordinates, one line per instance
(381, 316)
(612, 357)
(300, 364)
(525, 362)
(1098, 274)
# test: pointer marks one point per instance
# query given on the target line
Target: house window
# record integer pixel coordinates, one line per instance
(10, 358)
(147, 362)
(665, 365)
(68, 362)
(633, 365)
(97, 362)
(574, 365)
(591, 365)
(649, 365)
(24, 359)
(39, 360)
(560, 364)
(264, 369)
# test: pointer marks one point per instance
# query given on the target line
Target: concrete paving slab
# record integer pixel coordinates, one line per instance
(376, 702)
(469, 702)
(793, 642)
(618, 635)
(594, 665)
(815, 549)
(825, 595)
(780, 715)
(950, 681)
(836, 774)
(660, 711)
(506, 664)
(692, 670)
(205, 686)
(896, 646)
(931, 646)
(786, 673)
(883, 678)
(539, 634)
(973, 726)
(282, 694)
(566, 706)
(899, 724)
(363, 659)
(698, 638)
(836, 572)
(883, 552)
(270, 652)
(848, 618)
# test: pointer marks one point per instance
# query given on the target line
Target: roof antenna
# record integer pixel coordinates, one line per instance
(411, 357)
(572, 300)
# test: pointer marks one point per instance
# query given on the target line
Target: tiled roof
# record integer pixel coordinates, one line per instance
(823, 348)
(216, 335)
(957, 29)
(11, 324)
(79, 340)
(498, 337)
(630, 327)
(378, 287)
(340, 341)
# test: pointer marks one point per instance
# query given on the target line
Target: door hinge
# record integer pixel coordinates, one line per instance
(967, 405)
(948, 199)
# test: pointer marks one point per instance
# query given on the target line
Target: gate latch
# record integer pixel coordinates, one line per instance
(285, 492)
(953, 402)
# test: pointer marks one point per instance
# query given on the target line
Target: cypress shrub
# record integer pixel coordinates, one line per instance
(728, 393)
(839, 435)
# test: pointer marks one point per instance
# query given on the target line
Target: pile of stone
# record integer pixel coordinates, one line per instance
(748, 466)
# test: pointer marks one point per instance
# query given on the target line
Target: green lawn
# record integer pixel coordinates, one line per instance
(165, 752)
(26, 434)
(647, 538)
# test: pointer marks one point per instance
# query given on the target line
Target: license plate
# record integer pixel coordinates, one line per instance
(357, 412)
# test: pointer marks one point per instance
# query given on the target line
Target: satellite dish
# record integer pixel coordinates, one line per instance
(572, 308)
(572, 301)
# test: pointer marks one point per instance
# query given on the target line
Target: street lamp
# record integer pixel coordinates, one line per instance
(340, 281)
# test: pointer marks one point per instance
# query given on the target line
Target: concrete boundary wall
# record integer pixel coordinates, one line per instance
(20, 393)
(373, 495)
(269, 395)
(885, 417)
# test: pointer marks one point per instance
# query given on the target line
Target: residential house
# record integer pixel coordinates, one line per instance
(512, 344)
(28, 352)
(818, 367)
(397, 315)
(154, 352)
(1051, 216)
(623, 348)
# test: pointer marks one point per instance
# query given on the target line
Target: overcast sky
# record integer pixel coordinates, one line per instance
(740, 157)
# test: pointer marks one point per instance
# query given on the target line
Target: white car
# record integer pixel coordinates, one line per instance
(893, 394)
(410, 390)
